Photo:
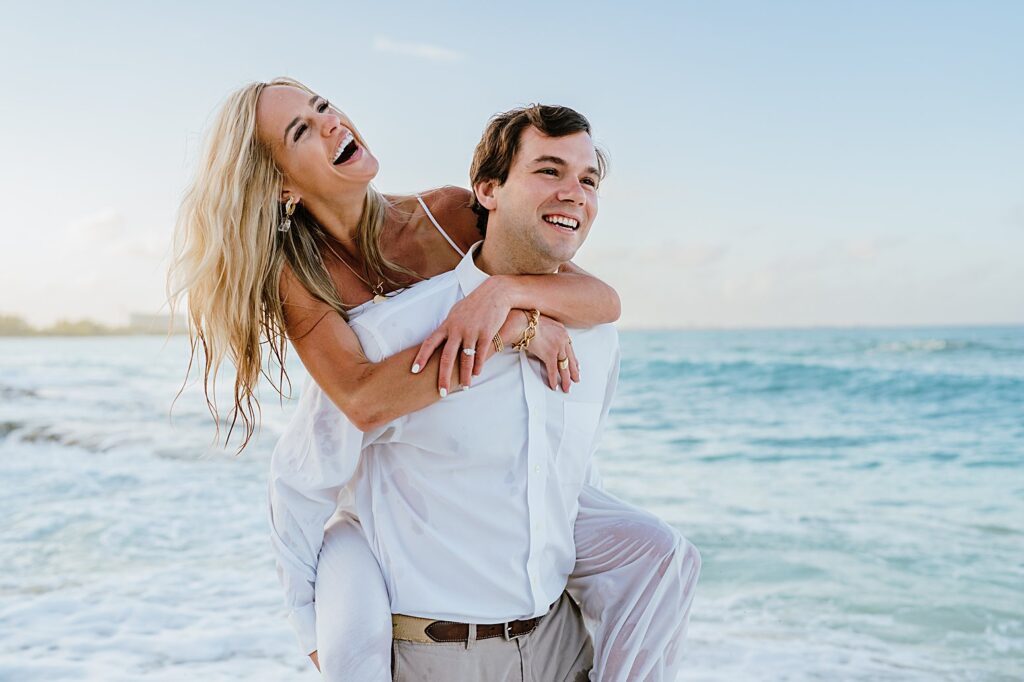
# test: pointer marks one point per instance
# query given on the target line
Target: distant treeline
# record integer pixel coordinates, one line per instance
(12, 325)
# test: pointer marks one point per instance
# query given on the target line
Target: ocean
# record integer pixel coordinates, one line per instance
(857, 496)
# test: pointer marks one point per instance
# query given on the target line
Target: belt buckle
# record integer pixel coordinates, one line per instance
(506, 633)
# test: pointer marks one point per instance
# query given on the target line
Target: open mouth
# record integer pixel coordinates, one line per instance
(346, 148)
(564, 222)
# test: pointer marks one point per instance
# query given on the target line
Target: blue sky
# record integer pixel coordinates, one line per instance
(773, 163)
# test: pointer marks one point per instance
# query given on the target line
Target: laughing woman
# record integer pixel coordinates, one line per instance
(282, 239)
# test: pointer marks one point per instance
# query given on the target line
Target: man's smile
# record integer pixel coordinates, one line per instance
(560, 220)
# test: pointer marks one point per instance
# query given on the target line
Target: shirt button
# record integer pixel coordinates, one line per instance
(536, 468)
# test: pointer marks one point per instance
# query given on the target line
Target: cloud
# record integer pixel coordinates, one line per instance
(433, 53)
(105, 226)
(1015, 216)
(103, 266)
(869, 249)
(105, 237)
(667, 255)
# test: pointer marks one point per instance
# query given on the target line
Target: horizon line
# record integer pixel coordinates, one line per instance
(123, 330)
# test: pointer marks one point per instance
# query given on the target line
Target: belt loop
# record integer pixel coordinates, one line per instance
(470, 636)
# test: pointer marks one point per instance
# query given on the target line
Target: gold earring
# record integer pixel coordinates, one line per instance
(289, 211)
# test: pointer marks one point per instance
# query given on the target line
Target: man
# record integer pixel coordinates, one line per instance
(471, 502)
(470, 505)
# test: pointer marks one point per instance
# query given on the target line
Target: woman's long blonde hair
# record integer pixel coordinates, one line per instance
(229, 254)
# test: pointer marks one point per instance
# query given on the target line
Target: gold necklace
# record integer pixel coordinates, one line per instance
(377, 291)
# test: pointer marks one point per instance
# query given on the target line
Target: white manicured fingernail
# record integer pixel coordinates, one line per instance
(416, 368)
(443, 392)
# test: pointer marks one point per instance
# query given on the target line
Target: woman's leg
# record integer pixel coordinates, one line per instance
(634, 578)
(353, 612)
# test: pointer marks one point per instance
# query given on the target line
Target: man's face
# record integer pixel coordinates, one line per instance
(546, 206)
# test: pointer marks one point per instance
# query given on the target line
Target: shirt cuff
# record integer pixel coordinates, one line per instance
(303, 619)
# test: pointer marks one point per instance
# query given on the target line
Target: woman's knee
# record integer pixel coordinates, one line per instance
(341, 538)
(689, 559)
(349, 594)
(678, 554)
(660, 538)
(345, 555)
(352, 608)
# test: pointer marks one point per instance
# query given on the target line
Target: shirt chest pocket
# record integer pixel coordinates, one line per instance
(579, 432)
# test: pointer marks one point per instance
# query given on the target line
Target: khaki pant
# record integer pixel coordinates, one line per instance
(559, 650)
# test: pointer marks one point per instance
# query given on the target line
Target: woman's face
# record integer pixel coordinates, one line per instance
(315, 146)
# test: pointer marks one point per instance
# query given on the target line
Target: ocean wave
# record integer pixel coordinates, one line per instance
(943, 346)
(823, 442)
(157, 438)
(932, 387)
(49, 434)
(769, 376)
(1009, 463)
(7, 427)
(91, 437)
(12, 392)
(781, 377)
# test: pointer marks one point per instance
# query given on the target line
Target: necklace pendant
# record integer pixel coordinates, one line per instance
(378, 293)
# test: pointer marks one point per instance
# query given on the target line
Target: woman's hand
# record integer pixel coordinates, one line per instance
(470, 325)
(474, 321)
(551, 344)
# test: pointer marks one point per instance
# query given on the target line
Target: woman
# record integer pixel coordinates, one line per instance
(282, 235)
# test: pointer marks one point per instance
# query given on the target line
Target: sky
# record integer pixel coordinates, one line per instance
(773, 164)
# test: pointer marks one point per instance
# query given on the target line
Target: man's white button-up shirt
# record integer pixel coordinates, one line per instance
(468, 504)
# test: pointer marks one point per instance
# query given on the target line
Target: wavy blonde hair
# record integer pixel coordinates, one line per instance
(229, 254)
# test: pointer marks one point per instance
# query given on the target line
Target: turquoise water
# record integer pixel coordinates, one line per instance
(857, 495)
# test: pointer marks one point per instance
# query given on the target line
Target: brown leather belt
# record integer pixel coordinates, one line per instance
(424, 630)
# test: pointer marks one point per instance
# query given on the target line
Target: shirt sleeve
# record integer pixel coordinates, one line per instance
(309, 469)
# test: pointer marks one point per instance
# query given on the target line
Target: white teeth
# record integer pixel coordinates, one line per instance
(563, 221)
(341, 145)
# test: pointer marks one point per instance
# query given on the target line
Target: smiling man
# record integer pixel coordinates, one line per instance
(470, 504)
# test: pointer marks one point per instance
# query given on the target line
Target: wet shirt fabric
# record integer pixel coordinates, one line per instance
(469, 504)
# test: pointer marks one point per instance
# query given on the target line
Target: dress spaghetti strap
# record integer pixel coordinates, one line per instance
(439, 228)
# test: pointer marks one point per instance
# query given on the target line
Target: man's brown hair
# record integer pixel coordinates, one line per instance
(497, 148)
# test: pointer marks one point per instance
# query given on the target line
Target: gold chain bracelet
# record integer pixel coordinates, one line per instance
(532, 318)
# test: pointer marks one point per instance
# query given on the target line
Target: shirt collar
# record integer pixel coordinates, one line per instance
(470, 276)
